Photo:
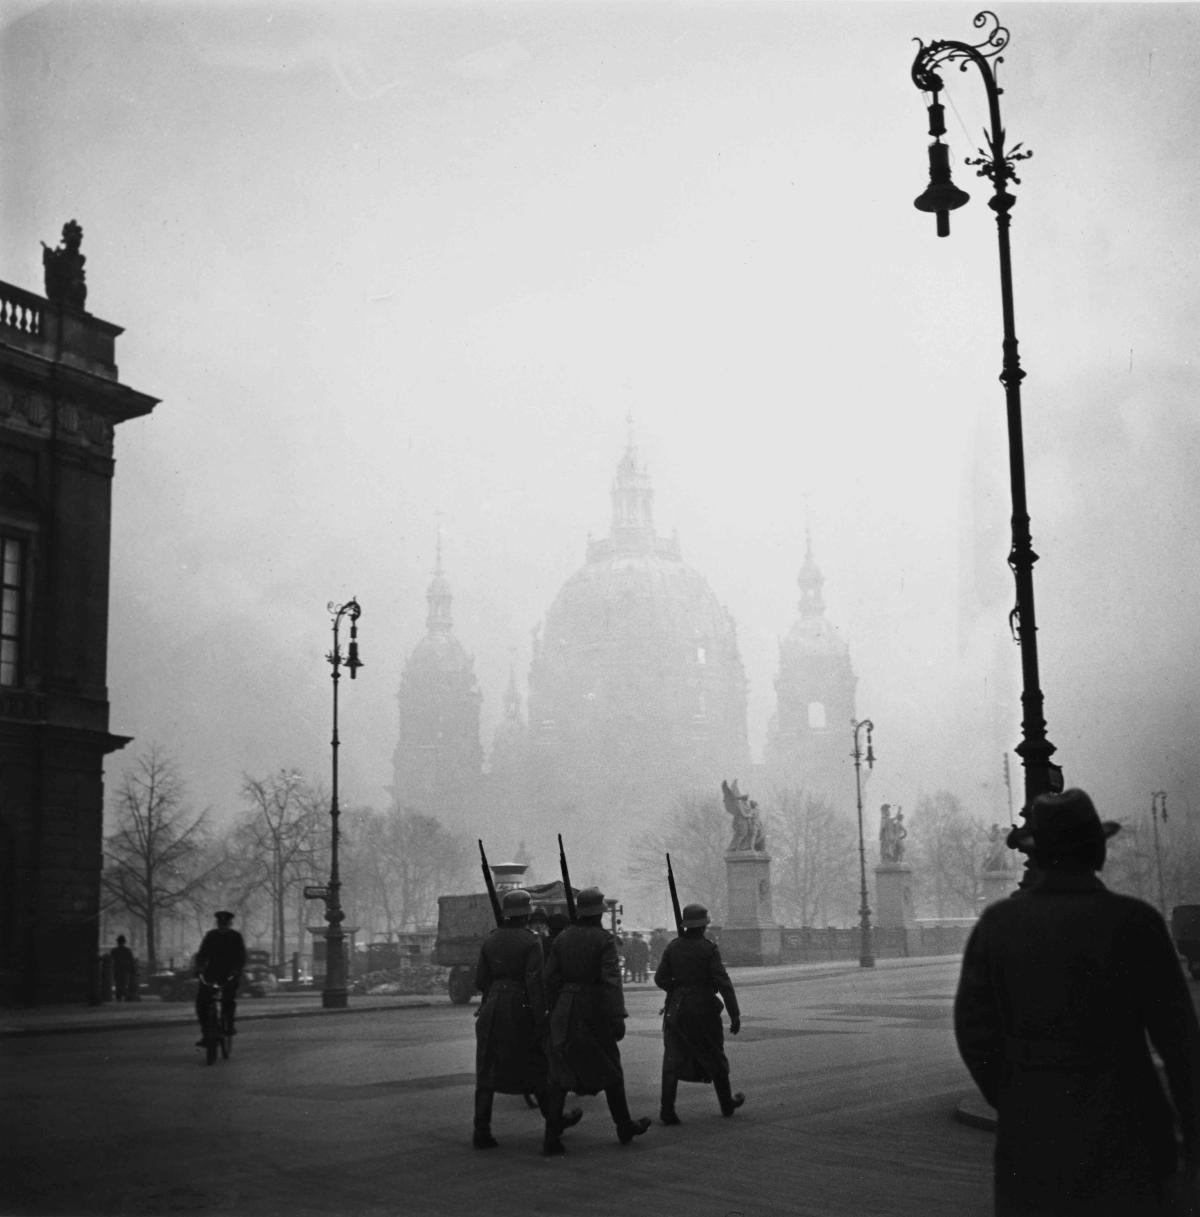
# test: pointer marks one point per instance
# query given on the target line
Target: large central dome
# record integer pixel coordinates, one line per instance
(636, 690)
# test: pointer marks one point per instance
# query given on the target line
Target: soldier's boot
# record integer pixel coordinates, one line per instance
(482, 1138)
(618, 1106)
(551, 1101)
(666, 1109)
(729, 1102)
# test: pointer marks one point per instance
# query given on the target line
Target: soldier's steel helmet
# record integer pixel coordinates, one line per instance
(516, 902)
(695, 916)
(589, 902)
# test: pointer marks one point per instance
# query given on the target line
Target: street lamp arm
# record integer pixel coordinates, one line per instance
(996, 164)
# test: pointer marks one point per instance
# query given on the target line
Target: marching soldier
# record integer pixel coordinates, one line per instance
(587, 1019)
(511, 1023)
(692, 974)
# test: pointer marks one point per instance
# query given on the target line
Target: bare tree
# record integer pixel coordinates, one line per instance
(275, 844)
(947, 845)
(155, 857)
(813, 849)
(395, 865)
(695, 832)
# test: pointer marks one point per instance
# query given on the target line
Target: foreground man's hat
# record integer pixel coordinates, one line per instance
(516, 902)
(589, 902)
(694, 916)
(1062, 821)
(223, 916)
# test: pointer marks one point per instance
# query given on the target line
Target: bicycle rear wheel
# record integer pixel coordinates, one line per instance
(212, 1034)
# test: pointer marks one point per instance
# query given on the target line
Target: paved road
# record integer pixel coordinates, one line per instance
(851, 1076)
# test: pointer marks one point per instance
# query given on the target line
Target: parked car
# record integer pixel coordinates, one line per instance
(180, 985)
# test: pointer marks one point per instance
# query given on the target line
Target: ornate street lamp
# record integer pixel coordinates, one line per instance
(941, 197)
(333, 996)
(866, 956)
(1158, 807)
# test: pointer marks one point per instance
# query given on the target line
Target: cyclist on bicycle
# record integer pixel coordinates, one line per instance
(220, 960)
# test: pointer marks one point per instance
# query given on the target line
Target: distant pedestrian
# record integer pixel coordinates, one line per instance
(692, 973)
(1062, 985)
(587, 1017)
(124, 971)
(510, 1027)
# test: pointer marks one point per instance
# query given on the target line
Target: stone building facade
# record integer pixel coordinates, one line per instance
(60, 403)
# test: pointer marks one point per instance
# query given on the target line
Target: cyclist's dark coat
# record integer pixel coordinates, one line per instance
(510, 1026)
(587, 1010)
(692, 973)
(221, 954)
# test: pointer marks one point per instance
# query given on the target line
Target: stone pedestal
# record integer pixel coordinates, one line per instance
(894, 900)
(998, 885)
(749, 935)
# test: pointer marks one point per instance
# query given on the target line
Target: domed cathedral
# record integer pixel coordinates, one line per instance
(438, 760)
(809, 738)
(637, 693)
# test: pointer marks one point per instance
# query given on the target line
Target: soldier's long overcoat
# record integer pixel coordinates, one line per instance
(693, 974)
(1061, 985)
(587, 1010)
(510, 1055)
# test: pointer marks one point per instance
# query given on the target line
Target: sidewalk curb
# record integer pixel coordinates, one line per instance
(186, 1017)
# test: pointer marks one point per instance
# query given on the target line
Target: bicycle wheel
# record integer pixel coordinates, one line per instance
(212, 1034)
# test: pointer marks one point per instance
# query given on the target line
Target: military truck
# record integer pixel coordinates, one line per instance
(465, 921)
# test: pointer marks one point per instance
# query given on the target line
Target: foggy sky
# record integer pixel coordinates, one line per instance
(401, 267)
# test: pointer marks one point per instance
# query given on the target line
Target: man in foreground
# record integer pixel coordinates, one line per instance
(1061, 986)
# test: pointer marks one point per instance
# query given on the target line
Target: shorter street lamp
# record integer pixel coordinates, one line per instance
(1158, 806)
(866, 957)
(333, 996)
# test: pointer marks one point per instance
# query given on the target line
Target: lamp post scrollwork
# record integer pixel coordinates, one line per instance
(997, 163)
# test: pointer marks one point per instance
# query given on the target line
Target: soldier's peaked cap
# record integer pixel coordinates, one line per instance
(223, 915)
(589, 902)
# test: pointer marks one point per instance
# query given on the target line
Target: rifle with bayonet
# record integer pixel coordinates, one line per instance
(568, 890)
(491, 886)
(674, 898)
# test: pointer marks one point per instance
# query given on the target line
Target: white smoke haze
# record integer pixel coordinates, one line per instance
(401, 268)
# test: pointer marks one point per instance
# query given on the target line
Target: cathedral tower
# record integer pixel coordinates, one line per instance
(438, 760)
(809, 735)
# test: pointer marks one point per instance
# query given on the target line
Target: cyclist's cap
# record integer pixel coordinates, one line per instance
(224, 916)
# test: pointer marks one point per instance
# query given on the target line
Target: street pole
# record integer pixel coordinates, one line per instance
(1158, 805)
(942, 197)
(334, 995)
(866, 956)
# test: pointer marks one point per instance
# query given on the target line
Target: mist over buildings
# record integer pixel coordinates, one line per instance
(402, 271)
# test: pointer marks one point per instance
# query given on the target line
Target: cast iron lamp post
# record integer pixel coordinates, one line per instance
(333, 996)
(941, 197)
(866, 956)
(1158, 807)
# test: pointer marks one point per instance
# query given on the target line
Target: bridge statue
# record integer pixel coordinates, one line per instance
(749, 833)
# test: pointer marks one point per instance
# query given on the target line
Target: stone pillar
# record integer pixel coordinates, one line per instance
(749, 935)
(894, 902)
(998, 885)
